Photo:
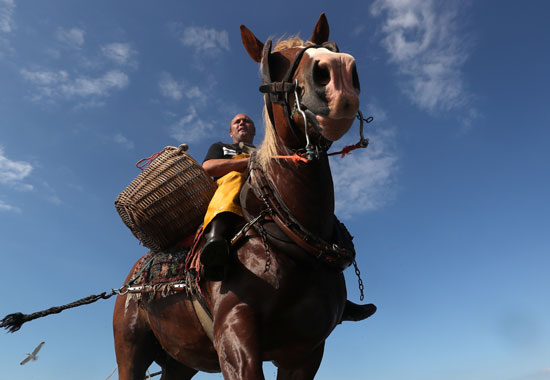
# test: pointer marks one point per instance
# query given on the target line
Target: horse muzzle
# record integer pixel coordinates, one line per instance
(331, 91)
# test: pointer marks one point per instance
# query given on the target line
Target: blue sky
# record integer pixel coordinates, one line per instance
(449, 206)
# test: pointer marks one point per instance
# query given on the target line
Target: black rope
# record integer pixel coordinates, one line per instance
(13, 322)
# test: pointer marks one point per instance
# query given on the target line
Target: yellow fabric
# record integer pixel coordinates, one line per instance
(226, 197)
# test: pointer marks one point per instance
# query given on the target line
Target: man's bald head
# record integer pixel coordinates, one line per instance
(242, 129)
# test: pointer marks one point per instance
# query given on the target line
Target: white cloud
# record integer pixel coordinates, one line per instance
(45, 78)
(6, 207)
(363, 180)
(376, 112)
(59, 83)
(14, 172)
(120, 53)
(171, 88)
(7, 8)
(423, 41)
(123, 140)
(48, 193)
(73, 37)
(358, 30)
(100, 86)
(205, 40)
(190, 128)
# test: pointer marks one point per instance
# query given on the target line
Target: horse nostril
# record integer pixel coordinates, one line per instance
(355, 78)
(321, 74)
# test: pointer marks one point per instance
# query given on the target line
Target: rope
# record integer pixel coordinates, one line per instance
(144, 162)
(347, 149)
(13, 322)
(112, 373)
(148, 375)
(295, 158)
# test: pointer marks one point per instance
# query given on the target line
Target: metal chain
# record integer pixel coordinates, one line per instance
(249, 225)
(361, 286)
(263, 235)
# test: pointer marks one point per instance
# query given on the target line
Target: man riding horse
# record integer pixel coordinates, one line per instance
(286, 291)
(227, 163)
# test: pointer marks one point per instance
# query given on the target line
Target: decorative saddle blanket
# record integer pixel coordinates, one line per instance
(166, 272)
(159, 267)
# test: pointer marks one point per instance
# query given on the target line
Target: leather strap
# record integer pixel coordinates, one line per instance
(204, 318)
(331, 254)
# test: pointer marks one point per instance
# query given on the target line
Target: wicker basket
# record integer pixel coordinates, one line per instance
(168, 200)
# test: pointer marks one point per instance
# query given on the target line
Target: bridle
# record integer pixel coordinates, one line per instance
(277, 92)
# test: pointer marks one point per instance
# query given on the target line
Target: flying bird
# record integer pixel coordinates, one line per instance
(32, 356)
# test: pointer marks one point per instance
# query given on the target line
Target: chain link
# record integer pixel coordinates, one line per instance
(361, 286)
(263, 235)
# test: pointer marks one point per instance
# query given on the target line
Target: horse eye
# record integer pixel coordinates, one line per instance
(321, 75)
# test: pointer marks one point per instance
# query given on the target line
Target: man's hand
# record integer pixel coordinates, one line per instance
(219, 167)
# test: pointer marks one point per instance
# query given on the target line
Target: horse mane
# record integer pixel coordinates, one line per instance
(268, 148)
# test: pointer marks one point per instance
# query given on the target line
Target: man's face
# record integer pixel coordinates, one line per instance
(242, 129)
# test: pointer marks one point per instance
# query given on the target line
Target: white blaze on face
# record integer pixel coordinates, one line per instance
(341, 95)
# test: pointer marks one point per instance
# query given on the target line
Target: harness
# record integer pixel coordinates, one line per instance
(338, 254)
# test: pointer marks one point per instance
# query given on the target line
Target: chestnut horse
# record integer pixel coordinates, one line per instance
(277, 304)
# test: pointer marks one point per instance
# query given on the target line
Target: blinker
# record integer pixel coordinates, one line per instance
(278, 90)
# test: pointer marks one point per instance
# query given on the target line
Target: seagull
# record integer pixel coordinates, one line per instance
(33, 356)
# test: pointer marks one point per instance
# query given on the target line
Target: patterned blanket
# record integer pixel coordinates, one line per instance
(157, 267)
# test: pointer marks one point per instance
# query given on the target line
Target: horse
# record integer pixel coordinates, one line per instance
(283, 296)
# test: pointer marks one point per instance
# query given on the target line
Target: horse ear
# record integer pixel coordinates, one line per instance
(321, 31)
(253, 46)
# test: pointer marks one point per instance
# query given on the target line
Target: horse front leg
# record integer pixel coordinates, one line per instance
(307, 370)
(237, 343)
(135, 346)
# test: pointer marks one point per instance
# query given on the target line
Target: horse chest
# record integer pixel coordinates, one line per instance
(290, 299)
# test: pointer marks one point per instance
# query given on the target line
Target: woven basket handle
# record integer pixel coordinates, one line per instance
(144, 162)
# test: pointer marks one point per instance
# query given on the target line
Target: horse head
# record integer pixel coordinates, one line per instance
(306, 80)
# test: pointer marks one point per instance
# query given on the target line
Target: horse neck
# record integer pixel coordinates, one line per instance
(307, 191)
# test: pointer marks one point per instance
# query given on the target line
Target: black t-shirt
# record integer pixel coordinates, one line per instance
(220, 150)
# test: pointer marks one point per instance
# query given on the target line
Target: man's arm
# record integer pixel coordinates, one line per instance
(218, 167)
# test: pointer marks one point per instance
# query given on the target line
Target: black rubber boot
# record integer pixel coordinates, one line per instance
(215, 253)
(354, 312)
